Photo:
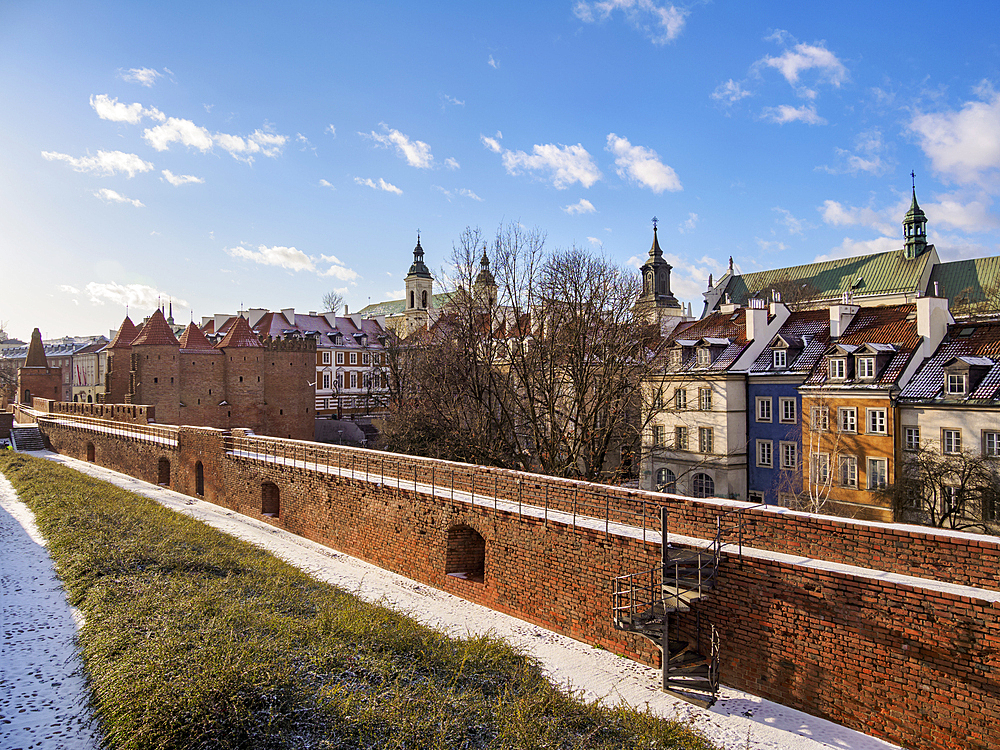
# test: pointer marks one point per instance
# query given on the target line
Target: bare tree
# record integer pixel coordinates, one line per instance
(953, 491)
(333, 301)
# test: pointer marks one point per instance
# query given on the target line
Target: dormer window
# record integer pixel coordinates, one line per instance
(866, 368)
(780, 359)
(704, 356)
(956, 383)
(838, 369)
(675, 358)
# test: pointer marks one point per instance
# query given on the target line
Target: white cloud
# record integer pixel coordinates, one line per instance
(786, 113)
(793, 225)
(730, 92)
(583, 206)
(325, 183)
(661, 23)
(566, 164)
(469, 194)
(866, 157)
(110, 196)
(452, 100)
(105, 163)
(452, 163)
(331, 130)
(109, 109)
(380, 185)
(176, 130)
(688, 224)
(180, 179)
(963, 145)
(306, 144)
(417, 153)
(133, 295)
(965, 215)
(792, 63)
(493, 63)
(68, 289)
(839, 215)
(294, 260)
(146, 76)
(850, 248)
(595, 241)
(642, 165)
(770, 245)
(258, 142)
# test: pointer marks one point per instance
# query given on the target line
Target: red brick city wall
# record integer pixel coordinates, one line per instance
(915, 666)
(128, 413)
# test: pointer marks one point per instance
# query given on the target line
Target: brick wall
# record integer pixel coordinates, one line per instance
(898, 659)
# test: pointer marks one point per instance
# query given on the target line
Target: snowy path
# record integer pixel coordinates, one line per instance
(736, 722)
(42, 692)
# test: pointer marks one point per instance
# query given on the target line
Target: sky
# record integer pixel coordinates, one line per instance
(228, 156)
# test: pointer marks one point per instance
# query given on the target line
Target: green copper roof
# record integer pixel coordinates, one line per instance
(973, 285)
(880, 273)
(398, 306)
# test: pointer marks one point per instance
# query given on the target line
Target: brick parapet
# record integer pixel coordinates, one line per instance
(911, 662)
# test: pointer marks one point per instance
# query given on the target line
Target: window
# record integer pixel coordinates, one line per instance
(705, 439)
(666, 480)
(659, 434)
(705, 399)
(681, 399)
(340, 380)
(821, 468)
(848, 419)
(787, 406)
(326, 381)
(876, 473)
(703, 485)
(911, 438)
(780, 358)
(681, 438)
(876, 422)
(354, 380)
(675, 358)
(789, 456)
(326, 358)
(951, 441)
(366, 358)
(820, 418)
(704, 356)
(658, 399)
(991, 444)
(848, 471)
(765, 458)
(354, 358)
(951, 498)
(340, 358)
(376, 359)
(955, 384)
(866, 367)
(763, 409)
(838, 369)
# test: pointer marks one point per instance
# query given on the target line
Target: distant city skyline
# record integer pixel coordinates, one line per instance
(227, 157)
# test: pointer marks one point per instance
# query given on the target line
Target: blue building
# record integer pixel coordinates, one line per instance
(774, 406)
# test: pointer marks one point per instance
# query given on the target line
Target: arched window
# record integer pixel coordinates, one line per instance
(270, 500)
(27, 397)
(704, 485)
(163, 472)
(465, 556)
(91, 453)
(199, 479)
(666, 481)
(411, 299)
(423, 299)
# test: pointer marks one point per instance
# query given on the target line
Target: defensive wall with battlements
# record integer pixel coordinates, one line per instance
(886, 628)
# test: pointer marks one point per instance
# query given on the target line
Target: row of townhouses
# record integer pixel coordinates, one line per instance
(817, 402)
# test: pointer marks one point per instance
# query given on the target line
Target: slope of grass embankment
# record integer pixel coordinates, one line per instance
(194, 639)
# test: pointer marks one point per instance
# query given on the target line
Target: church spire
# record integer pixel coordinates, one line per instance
(914, 227)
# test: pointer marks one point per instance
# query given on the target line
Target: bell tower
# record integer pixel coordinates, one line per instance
(656, 297)
(914, 227)
(419, 291)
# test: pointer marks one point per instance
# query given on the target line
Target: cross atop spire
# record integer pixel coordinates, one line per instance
(913, 180)
(655, 220)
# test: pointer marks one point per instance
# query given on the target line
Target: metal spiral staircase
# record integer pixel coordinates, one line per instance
(656, 605)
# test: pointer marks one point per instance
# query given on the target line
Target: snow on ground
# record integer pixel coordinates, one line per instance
(738, 720)
(42, 691)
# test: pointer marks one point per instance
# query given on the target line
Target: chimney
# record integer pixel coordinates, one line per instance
(933, 318)
(346, 311)
(841, 316)
(756, 319)
(289, 313)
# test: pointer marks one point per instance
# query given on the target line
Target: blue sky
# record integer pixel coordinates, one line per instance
(262, 154)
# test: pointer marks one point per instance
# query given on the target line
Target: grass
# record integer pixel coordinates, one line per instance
(194, 639)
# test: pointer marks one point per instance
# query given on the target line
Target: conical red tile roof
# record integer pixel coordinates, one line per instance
(156, 332)
(125, 336)
(36, 352)
(240, 335)
(193, 338)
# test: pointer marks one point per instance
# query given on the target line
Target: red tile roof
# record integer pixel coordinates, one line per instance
(156, 332)
(727, 330)
(193, 338)
(125, 336)
(240, 335)
(979, 340)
